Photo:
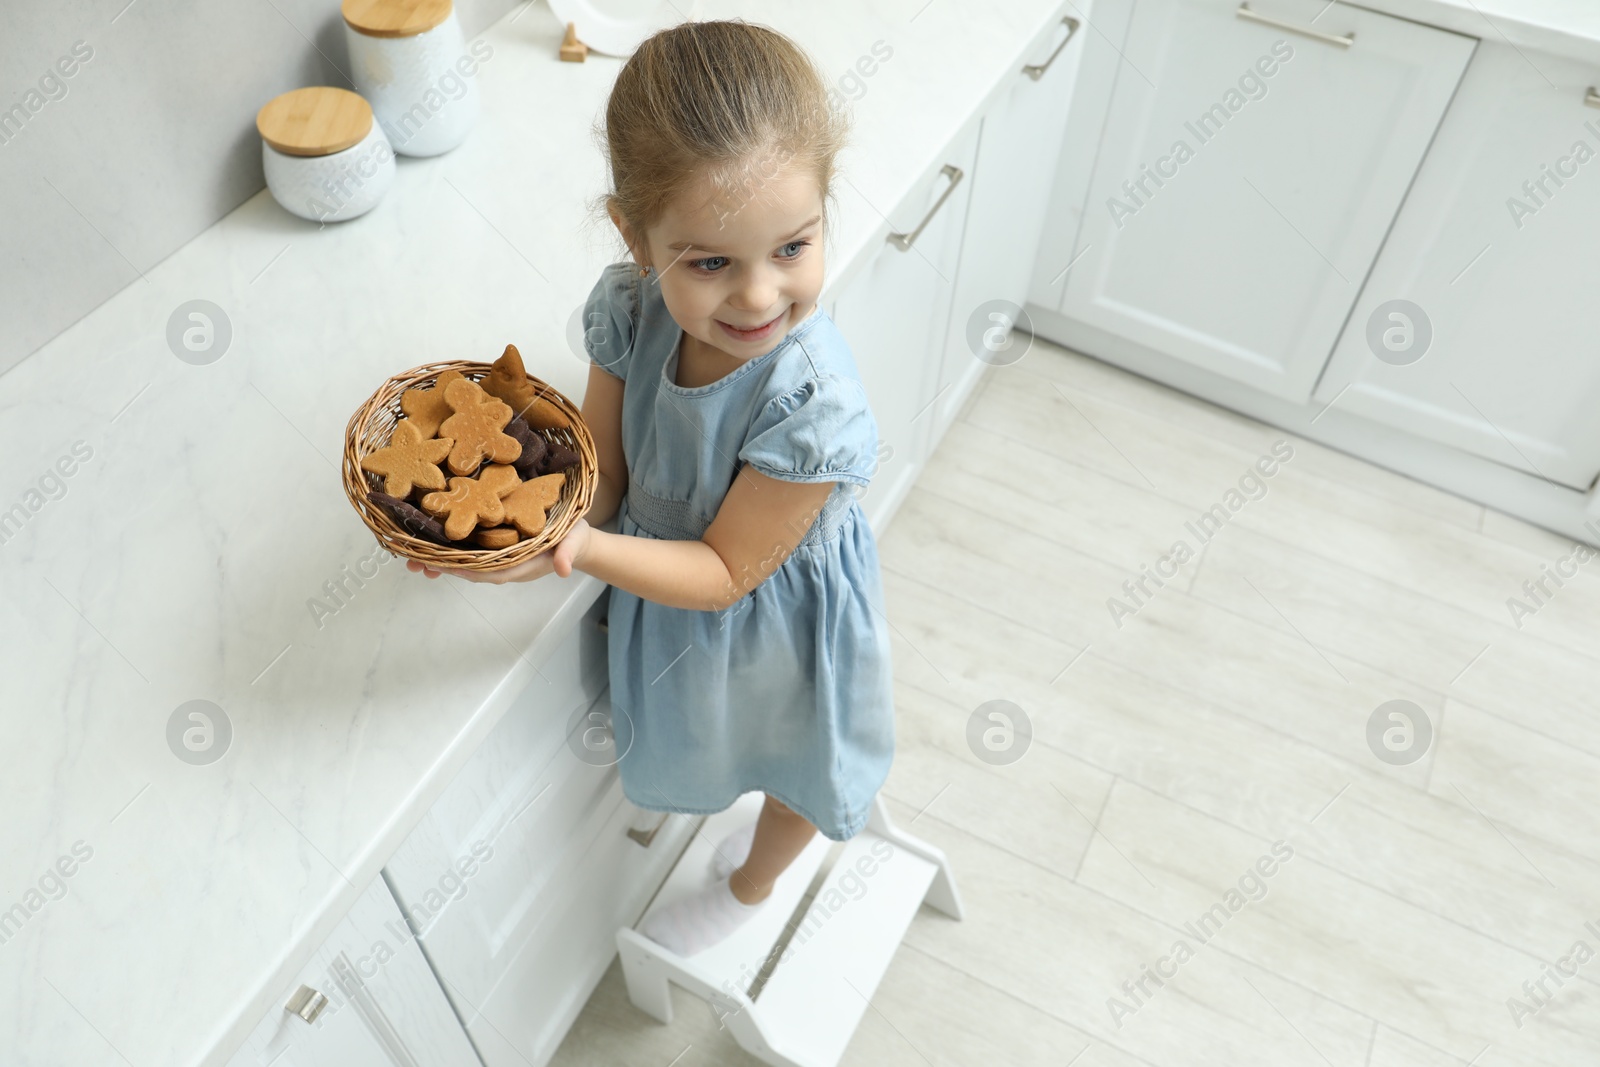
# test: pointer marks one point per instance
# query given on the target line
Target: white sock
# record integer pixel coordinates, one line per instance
(700, 921)
(733, 850)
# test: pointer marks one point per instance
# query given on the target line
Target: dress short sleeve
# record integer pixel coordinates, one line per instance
(820, 431)
(609, 316)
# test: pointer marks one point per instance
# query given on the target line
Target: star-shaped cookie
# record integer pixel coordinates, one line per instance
(409, 459)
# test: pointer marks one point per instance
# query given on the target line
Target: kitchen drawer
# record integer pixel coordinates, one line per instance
(893, 313)
(384, 1007)
(523, 1020)
(1018, 143)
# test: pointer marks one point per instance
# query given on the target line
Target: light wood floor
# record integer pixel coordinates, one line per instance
(1230, 712)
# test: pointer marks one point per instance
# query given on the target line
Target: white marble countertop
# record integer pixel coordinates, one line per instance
(1568, 28)
(177, 561)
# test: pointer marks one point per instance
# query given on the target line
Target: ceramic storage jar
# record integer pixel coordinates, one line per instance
(324, 157)
(408, 58)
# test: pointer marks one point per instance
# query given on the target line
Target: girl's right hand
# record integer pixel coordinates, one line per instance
(560, 559)
(417, 565)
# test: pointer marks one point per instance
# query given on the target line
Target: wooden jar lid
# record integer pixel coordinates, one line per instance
(316, 121)
(394, 18)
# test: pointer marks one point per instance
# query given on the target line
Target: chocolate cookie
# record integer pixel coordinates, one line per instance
(409, 519)
(534, 448)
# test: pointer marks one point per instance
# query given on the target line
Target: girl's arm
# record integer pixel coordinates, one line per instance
(760, 522)
(602, 412)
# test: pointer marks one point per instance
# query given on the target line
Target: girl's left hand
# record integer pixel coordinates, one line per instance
(567, 553)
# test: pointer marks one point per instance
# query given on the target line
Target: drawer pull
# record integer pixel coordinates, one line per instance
(645, 837)
(902, 241)
(1036, 70)
(306, 1003)
(1592, 97)
(1346, 41)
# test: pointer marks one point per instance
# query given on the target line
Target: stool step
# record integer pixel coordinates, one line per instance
(824, 976)
(840, 950)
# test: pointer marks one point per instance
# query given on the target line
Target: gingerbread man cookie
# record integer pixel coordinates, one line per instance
(426, 408)
(409, 459)
(526, 505)
(476, 428)
(508, 380)
(472, 501)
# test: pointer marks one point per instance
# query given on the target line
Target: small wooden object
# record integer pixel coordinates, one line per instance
(394, 18)
(316, 121)
(572, 49)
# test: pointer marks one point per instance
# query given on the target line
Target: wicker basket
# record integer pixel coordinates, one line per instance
(374, 421)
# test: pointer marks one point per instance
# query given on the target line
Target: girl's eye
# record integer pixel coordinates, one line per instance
(714, 264)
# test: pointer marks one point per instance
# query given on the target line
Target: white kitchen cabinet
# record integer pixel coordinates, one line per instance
(1099, 57)
(1233, 213)
(893, 313)
(373, 1002)
(518, 877)
(1499, 272)
(624, 856)
(508, 814)
(1018, 143)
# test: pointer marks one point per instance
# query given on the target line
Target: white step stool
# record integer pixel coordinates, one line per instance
(810, 1006)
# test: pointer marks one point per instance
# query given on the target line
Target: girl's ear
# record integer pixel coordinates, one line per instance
(640, 255)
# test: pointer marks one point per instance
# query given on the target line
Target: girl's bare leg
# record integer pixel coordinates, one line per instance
(781, 835)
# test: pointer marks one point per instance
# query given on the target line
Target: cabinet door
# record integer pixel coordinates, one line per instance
(475, 874)
(1494, 256)
(605, 885)
(893, 314)
(1233, 213)
(1018, 142)
(384, 1007)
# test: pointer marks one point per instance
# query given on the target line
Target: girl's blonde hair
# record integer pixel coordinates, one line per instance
(721, 99)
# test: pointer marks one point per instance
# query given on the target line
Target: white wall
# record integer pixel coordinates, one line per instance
(148, 142)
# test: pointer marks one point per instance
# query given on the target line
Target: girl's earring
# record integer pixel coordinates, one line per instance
(644, 271)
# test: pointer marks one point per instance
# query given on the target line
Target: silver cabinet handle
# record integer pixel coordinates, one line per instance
(306, 1003)
(902, 241)
(1036, 70)
(645, 837)
(1346, 41)
(1592, 97)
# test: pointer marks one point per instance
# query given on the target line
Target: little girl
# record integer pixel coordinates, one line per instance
(748, 645)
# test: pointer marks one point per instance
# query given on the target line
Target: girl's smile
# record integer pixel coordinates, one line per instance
(758, 333)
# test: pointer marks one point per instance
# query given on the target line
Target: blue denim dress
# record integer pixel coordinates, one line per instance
(789, 691)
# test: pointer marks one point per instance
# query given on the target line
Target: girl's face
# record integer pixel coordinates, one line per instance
(740, 265)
